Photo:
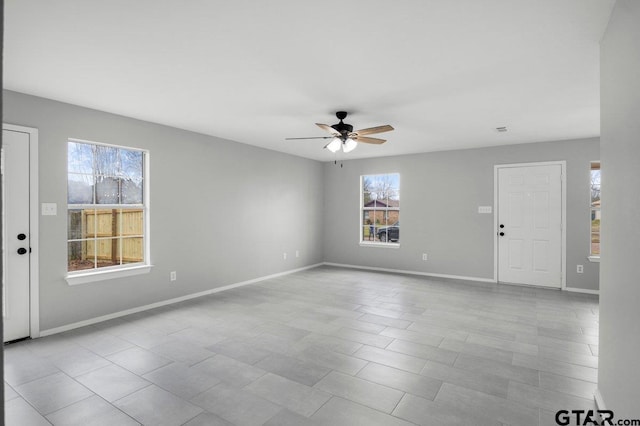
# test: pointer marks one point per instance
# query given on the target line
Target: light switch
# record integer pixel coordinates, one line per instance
(484, 209)
(49, 209)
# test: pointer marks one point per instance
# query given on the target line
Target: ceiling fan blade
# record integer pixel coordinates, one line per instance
(369, 140)
(314, 137)
(372, 130)
(328, 128)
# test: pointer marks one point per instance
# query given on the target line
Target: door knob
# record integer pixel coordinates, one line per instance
(21, 237)
(502, 234)
(22, 250)
(501, 226)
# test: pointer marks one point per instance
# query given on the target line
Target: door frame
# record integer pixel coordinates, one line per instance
(563, 204)
(34, 268)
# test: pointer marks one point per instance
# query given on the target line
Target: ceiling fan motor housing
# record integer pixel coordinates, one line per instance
(343, 128)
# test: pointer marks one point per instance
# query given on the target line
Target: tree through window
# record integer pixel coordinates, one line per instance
(380, 208)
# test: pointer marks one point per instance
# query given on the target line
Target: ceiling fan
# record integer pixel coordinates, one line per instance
(343, 136)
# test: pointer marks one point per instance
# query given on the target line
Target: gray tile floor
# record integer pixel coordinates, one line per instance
(325, 346)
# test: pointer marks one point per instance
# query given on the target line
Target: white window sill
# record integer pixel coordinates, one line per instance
(93, 276)
(382, 245)
(595, 259)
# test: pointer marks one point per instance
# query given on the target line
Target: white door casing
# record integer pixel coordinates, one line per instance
(530, 212)
(19, 272)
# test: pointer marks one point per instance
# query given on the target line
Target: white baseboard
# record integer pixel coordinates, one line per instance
(582, 290)
(96, 320)
(424, 274)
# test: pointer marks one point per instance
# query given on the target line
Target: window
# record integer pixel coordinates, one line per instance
(595, 208)
(106, 209)
(380, 216)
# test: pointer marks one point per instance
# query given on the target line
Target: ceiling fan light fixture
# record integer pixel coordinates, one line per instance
(334, 145)
(343, 137)
(349, 145)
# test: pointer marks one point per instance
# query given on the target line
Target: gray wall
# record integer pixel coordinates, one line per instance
(440, 195)
(224, 212)
(618, 375)
(221, 212)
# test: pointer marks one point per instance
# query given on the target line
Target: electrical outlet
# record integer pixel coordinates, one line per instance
(580, 269)
(284, 256)
(173, 276)
(297, 253)
(424, 256)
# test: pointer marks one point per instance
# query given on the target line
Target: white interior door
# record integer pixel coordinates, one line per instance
(530, 225)
(16, 234)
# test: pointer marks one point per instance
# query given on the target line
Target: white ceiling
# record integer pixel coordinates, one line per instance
(444, 73)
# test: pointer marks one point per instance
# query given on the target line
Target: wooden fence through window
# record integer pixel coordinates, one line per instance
(104, 231)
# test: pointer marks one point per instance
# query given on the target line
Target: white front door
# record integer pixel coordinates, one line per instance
(16, 234)
(530, 225)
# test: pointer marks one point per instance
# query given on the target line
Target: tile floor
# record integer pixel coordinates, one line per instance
(325, 346)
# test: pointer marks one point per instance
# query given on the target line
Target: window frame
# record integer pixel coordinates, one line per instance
(123, 270)
(594, 211)
(362, 209)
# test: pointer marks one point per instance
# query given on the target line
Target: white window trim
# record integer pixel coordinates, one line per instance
(379, 245)
(102, 274)
(361, 210)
